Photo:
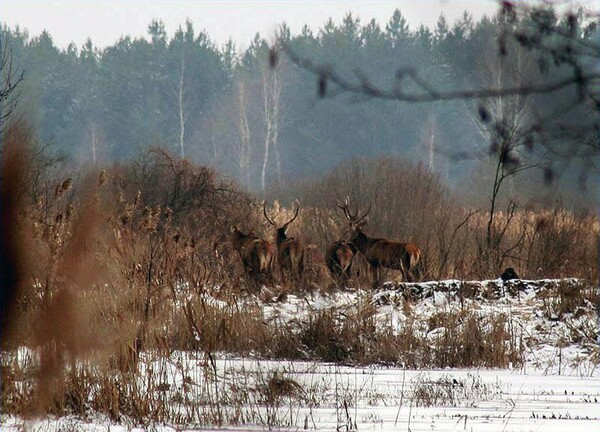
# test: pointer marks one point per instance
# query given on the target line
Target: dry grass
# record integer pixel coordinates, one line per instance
(451, 391)
(119, 265)
(408, 203)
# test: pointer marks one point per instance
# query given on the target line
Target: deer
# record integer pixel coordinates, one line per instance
(290, 250)
(381, 252)
(338, 257)
(257, 254)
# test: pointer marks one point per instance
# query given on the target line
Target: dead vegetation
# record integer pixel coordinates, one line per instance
(110, 270)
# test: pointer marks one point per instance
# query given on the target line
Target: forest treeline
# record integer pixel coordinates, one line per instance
(231, 109)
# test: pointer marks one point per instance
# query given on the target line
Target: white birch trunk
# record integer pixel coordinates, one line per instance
(181, 109)
(271, 93)
(244, 157)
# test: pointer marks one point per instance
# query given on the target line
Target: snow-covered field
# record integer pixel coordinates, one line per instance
(347, 398)
(557, 388)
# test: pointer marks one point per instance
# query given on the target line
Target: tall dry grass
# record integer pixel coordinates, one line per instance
(111, 268)
(409, 203)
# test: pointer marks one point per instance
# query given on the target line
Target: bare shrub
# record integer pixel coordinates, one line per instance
(12, 256)
(464, 339)
(561, 243)
(323, 336)
(447, 391)
(568, 299)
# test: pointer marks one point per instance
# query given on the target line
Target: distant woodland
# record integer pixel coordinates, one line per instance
(266, 125)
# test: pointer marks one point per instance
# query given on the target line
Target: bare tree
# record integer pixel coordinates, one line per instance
(429, 141)
(272, 85)
(505, 122)
(11, 79)
(181, 101)
(93, 136)
(244, 128)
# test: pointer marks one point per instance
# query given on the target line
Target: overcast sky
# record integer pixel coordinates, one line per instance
(105, 21)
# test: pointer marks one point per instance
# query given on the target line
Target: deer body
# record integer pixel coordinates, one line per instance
(290, 251)
(257, 254)
(381, 252)
(339, 259)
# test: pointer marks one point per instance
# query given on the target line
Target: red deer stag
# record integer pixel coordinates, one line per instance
(381, 252)
(257, 254)
(339, 258)
(290, 251)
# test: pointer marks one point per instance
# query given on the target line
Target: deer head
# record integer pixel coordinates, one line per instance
(282, 230)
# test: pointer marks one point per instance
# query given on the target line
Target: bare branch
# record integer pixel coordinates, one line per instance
(11, 81)
(364, 87)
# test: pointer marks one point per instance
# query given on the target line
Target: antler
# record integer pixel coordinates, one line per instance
(295, 215)
(345, 208)
(354, 218)
(363, 219)
(266, 216)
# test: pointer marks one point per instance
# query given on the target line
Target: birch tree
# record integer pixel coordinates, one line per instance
(272, 85)
(181, 104)
(244, 129)
(94, 138)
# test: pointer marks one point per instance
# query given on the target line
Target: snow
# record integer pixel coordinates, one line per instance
(372, 398)
(549, 340)
(556, 389)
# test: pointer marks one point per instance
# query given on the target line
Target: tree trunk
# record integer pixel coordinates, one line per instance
(244, 160)
(181, 109)
(271, 92)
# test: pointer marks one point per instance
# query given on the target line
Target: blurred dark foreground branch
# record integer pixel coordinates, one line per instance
(12, 175)
(566, 42)
(363, 86)
(536, 81)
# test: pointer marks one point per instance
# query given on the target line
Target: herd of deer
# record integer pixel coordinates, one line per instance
(258, 255)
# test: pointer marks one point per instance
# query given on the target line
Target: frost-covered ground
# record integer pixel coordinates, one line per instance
(558, 387)
(344, 398)
(553, 343)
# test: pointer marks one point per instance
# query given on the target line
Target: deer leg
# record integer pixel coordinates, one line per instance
(411, 275)
(376, 274)
(247, 269)
(417, 271)
(404, 268)
(405, 275)
(301, 268)
(347, 272)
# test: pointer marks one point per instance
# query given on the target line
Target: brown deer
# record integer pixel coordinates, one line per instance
(290, 251)
(339, 256)
(257, 254)
(381, 252)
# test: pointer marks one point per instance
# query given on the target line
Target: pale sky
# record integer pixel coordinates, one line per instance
(105, 21)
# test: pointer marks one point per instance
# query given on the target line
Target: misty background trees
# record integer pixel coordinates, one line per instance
(267, 125)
